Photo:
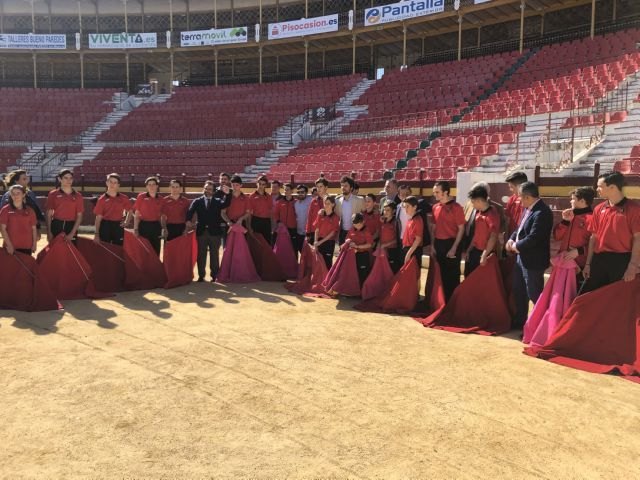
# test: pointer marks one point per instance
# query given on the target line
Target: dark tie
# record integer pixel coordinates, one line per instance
(206, 200)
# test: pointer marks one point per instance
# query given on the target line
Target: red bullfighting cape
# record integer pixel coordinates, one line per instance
(179, 258)
(400, 296)
(66, 271)
(143, 268)
(599, 333)
(342, 277)
(237, 265)
(556, 298)
(285, 253)
(315, 271)
(478, 305)
(106, 261)
(265, 261)
(23, 287)
(380, 276)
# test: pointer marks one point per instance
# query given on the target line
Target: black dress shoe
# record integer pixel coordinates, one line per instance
(213, 279)
(200, 279)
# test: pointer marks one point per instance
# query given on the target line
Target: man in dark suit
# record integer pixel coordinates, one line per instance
(531, 243)
(207, 210)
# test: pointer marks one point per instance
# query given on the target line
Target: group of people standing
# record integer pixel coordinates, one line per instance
(508, 246)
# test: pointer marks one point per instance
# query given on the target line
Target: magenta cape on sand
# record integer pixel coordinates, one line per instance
(179, 258)
(143, 268)
(380, 276)
(28, 291)
(600, 332)
(478, 305)
(106, 261)
(342, 277)
(284, 252)
(265, 261)
(556, 298)
(315, 270)
(237, 265)
(401, 294)
(67, 272)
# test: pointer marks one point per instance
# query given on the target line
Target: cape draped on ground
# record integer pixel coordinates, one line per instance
(24, 289)
(315, 270)
(179, 258)
(265, 261)
(285, 253)
(342, 277)
(478, 305)
(143, 268)
(106, 261)
(599, 333)
(401, 294)
(66, 271)
(556, 298)
(380, 276)
(237, 265)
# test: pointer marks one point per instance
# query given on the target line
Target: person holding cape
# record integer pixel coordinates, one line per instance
(148, 209)
(174, 212)
(327, 229)
(65, 208)
(18, 223)
(110, 211)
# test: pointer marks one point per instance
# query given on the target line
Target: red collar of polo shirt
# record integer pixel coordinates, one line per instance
(73, 192)
(618, 206)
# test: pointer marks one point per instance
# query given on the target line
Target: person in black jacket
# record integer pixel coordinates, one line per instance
(207, 209)
(531, 243)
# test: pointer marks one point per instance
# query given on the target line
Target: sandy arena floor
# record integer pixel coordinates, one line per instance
(212, 381)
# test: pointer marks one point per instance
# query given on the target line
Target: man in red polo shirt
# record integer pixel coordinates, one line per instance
(110, 211)
(285, 212)
(174, 212)
(483, 231)
(317, 204)
(448, 230)
(261, 209)
(614, 247)
(239, 209)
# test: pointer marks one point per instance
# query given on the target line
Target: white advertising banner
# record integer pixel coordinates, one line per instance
(303, 27)
(123, 40)
(31, 41)
(480, 1)
(401, 11)
(221, 36)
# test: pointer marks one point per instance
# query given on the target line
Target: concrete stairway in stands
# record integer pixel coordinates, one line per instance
(618, 140)
(288, 136)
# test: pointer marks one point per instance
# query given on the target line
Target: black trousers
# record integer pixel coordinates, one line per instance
(342, 236)
(298, 241)
(262, 226)
(527, 286)
(394, 255)
(326, 250)
(449, 267)
(473, 262)
(175, 230)
(606, 268)
(363, 262)
(111, 232)
(61, 226)
(208, 243)
(152, 231)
